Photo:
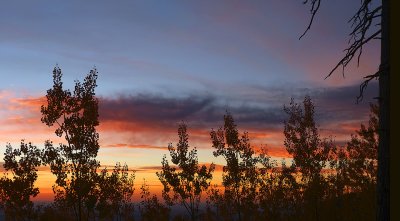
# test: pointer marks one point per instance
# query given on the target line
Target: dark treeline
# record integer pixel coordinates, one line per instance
(324, 180)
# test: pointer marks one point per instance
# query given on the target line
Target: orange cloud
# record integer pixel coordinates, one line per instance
(31, 103)
(141, 146)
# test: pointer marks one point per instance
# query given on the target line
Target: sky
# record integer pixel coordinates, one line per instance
(164, 62)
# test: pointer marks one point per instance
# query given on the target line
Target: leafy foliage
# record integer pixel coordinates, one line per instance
(75, 116)
(310, 153)
(150, 206)
(302, 139)
(114, 193)
(241, 174)
(363, 150)
(279, 192)
(355, 173)
(16, 192)
(186, 182)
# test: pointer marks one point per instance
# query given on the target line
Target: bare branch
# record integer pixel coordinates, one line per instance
(314, 8)
(361, 23)
(351, 51)
(364, 85)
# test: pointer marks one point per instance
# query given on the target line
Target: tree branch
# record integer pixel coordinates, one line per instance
(361, 23)
(314, 8)
(351, 51)
(364, 85)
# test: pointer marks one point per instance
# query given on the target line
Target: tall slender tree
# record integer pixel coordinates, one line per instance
(185, 182)
(240, 175)
(75, 116)
(309, 151)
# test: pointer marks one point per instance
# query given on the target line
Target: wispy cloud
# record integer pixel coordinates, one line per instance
(140, 146)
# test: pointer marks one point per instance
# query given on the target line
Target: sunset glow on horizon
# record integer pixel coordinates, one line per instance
(161, 64)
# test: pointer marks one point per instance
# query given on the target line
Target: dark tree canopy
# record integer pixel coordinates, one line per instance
(302, 139)
(240, 174)
(114, 192)
(309, 151)
(16, 191)
(363, 154)
(75, 116)
(150, 207)
(188, 180)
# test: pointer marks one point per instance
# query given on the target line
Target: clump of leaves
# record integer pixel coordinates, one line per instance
(184, 182)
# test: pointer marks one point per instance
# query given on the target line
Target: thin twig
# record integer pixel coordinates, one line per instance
(361, 23)
(314, 8)
(350, 53)
(364, 85)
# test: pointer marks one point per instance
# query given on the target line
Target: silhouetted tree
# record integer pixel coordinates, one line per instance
(150, 207)
(361, 174)
(17, 188)
(218, 207)
(75, 116)
(186, 182)
(363, 168)
(363, 150)
(338, 181)
(280, 195)
(371, 21)
(352, 178)
(115, 193)
(310, 153)
(240, 175)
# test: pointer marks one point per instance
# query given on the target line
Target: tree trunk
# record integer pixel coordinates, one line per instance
(79, 208)
(383, 189)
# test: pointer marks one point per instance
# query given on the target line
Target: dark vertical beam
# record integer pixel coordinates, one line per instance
(383, 213)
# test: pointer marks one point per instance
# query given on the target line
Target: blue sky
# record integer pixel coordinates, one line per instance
(173, 47)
